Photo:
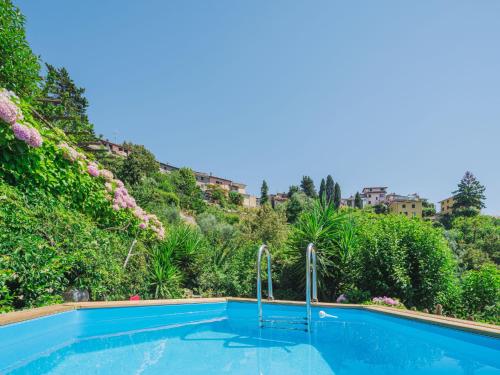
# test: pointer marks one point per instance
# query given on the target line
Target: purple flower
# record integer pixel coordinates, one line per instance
(35, 138)
(21, 132)
(142, 225)
(385, 301)
(93, 170)
(342, 298)
(8, 110)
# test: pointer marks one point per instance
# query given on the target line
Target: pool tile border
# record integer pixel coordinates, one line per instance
(464, 325)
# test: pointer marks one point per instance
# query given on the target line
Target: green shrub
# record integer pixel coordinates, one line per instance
(481, 293)
(405, 258)
(48, 248)
(19, 67)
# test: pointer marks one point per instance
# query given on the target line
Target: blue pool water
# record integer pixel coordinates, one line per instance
(224, 338)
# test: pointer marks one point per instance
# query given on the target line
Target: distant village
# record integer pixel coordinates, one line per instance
(410, 205)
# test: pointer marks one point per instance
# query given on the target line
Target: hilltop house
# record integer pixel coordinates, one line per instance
(446, 206)
(277, 199)
(108, 147)
(409, 205)
(374, 195)
(203, 180)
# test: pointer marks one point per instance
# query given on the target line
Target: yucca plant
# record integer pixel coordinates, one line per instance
(332, 232)
(173, 259)
(165, 275)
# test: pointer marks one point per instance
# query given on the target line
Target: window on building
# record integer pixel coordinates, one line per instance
(376, 198)
(369, 202)
(406, 213)
(413, 206)
(404, 206)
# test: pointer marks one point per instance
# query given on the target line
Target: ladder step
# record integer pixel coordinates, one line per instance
(286, 328)
(279, 321)
(284, 317)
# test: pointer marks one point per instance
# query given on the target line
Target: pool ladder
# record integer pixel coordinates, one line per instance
(302, 324)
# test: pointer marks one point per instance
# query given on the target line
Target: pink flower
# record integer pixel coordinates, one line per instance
(385, 301)
(35, 138)
(116, 207)
(8, 110)
(69, 153)
(342, 298)
(142, 225)
(21, 132)
(108, 175)
(93, 170)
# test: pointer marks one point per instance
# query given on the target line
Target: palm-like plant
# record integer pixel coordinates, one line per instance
(173, 258)
(332, 232)
(165, 275)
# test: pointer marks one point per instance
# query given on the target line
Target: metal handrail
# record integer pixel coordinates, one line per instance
(310, 253)
(270, 296)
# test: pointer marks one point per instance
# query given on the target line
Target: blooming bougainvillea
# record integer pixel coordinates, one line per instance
(116, 192)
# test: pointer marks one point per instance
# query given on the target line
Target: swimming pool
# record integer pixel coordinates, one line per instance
(218, 338)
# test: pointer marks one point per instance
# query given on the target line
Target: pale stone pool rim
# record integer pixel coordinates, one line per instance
(463, 325)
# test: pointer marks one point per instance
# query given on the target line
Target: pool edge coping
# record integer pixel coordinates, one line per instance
(463, 325)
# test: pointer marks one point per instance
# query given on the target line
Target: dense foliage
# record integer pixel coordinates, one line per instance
(19, 67)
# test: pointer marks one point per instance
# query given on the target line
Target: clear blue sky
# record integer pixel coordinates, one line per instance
(400, 94)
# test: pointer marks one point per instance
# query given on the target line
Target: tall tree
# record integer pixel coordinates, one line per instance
(322, 190)
(330, 187)
(264, 193)
(190, 194)
(140, 163)
(292, 190)
(307, 186)
(358, 203)
(19, 67)
(337, 196)
(469, 198)
(64, 104)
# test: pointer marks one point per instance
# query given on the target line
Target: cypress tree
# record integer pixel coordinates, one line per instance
(330, 186)
(336, 196)
(358, 203)
(322, 190)
(264, 193)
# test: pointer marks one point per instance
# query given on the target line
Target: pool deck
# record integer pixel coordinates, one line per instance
(464, 325)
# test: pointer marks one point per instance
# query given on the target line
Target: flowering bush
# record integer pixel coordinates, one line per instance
(44, 168)
(9, 112)
(12, 115)
(342, 298)
(386, 301)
